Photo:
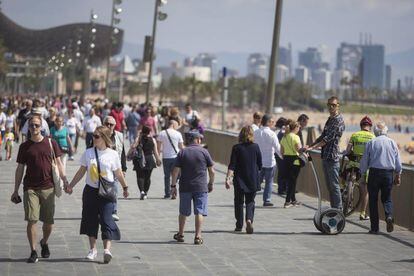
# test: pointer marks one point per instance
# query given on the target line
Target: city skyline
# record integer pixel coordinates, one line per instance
(222, 26)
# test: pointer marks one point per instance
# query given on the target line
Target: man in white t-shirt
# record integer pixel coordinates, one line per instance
(89, 125)
(169, 142)
(189, 116)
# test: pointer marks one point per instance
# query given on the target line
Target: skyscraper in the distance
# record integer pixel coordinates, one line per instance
(207, 60)
(388, 75)
(311, 59)
(348, 57)
(302, 74)
(258, 65)
(285, 57)
(372, 70)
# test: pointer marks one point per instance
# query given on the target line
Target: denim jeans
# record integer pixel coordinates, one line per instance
(379, 180)
(72, 139)
(267, 174)
(331, 171)
(168, 166)
(132, 134)
(117, 194)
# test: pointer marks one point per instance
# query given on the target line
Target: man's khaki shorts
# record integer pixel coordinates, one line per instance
(39, 205)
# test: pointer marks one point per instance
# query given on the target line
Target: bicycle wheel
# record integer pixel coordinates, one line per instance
(355, 199)
(347, 197)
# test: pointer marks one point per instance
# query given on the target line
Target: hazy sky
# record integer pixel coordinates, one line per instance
(195, 26)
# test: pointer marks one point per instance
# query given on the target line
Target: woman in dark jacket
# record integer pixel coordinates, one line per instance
(245, 164)
(152, 160)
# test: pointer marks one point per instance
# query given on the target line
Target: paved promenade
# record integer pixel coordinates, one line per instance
(285, 241)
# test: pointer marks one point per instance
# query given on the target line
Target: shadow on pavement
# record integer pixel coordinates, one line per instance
(148, 242)
(10, 260)
(67, 260)
(67, 218)
(404, 261)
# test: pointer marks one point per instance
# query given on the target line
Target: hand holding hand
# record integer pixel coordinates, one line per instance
(158, 162)
(68, 189)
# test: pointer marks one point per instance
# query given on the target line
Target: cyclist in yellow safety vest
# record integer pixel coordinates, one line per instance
(355, 150)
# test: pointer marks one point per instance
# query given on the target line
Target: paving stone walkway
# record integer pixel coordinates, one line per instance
(285, 241)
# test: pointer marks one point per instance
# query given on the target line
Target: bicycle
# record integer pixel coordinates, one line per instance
(350, 191)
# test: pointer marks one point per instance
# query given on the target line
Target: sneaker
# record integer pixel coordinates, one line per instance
(167, 196)
(107, 256)
(45, 253)
(296, 203)
(237, 229)
(363, 217)
(145, 197)
(115, 217)
(390, 224)
(33, 257)
(93, 253)
(173, 197)
(71, 158)
(267, 204)
(373, 232)
(288, 205)
(142, 196)
(249, 227)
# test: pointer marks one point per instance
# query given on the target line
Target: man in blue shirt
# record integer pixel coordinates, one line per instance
(382, 158)
(193, 162)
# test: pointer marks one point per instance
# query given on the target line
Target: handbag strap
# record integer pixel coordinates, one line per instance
(169, 138)
(52, 152)
(99, 167)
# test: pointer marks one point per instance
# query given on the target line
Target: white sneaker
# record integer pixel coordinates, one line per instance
(107, 256)
(142, 196)
(115, 217)
(93, 253)
(145, 197)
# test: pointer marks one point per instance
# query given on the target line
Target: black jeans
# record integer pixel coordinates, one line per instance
(240, 197)
(281, 181)
(144, 180)
(97, 210)
(379, 180)
(290, 175)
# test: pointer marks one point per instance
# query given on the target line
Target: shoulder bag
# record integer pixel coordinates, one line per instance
(57, 182)
(106, 188)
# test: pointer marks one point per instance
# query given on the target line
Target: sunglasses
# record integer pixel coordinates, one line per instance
(109, 124)
(96, 136)
(332, 105)
(34, 125)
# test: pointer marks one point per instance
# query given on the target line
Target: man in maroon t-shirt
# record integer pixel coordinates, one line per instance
(119, 117)
(38, 189)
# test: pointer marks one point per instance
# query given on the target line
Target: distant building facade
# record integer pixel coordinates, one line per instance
(258, 65)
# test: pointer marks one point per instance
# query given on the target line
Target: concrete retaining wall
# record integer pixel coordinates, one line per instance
(220, 144)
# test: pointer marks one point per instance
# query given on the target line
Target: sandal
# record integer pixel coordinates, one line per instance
(178, 237)
(198, 240)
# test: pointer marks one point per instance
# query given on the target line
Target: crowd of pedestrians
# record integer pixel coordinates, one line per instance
(50, 128)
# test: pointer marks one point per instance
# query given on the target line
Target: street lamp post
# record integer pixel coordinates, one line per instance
(114, 21)
(157, 16)
(273, 60)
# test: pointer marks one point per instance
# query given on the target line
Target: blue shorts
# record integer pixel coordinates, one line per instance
(199, 202)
